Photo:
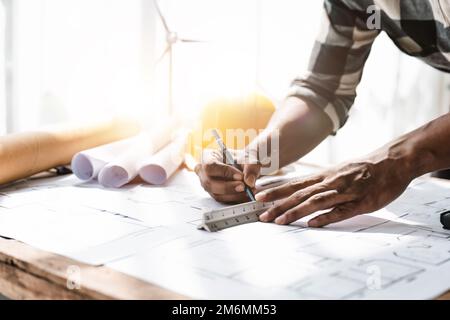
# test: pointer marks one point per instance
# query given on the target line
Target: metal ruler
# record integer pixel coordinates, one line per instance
(228, 217)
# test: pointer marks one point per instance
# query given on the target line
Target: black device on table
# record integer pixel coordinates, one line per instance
(445, 219)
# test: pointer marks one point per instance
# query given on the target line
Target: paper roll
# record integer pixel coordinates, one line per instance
(25, 154)
(87, 164)
(158, 168)
(125, 167)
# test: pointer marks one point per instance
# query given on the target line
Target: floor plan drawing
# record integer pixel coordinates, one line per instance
(151, 233)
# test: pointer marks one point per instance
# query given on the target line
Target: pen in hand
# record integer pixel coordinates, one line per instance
(230, 160)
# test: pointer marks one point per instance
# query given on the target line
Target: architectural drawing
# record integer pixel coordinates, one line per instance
(150, 233)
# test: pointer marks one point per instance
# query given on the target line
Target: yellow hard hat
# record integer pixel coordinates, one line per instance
(248, 114)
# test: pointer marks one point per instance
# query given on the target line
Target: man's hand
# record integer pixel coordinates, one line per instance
(345, 191)
(299, 127)
(223, 182)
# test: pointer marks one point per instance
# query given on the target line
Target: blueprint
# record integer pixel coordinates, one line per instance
(400, 252)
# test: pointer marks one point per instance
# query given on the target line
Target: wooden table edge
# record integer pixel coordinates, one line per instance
(30, 273)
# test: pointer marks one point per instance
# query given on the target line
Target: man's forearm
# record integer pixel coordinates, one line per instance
(425, 149)
(300, 128)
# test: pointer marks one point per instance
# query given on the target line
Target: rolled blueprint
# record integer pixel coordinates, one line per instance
(158, 168)
(86, 165)
(27, 153)
(125, 166)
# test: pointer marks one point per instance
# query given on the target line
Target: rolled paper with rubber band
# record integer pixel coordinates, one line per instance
(28, 153)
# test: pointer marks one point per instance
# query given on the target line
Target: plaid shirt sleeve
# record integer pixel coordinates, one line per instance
(337, 61)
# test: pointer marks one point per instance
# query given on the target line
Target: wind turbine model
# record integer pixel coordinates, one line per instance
(171, 39)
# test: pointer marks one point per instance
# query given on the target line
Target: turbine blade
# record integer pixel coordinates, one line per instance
(161, 16)
(193, 41)
(166, 51)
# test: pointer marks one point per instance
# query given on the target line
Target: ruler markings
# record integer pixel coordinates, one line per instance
(223, 218)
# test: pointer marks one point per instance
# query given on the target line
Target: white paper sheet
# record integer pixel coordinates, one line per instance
(370, 263)
(63, 229)
(150, 232)
(158, 168)
(92, 224)
(368, 257)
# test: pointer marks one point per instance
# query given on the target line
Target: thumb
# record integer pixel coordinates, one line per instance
(251, 173)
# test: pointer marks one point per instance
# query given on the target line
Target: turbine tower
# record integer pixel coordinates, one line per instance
(171, 39)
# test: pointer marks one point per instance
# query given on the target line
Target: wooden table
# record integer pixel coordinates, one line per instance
(29, 273)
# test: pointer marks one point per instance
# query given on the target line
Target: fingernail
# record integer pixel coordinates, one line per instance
(237, 176)
(251, 180)
(264, 217)
(239, 188)
(280, 220)
(313, 223)
(260, 196)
